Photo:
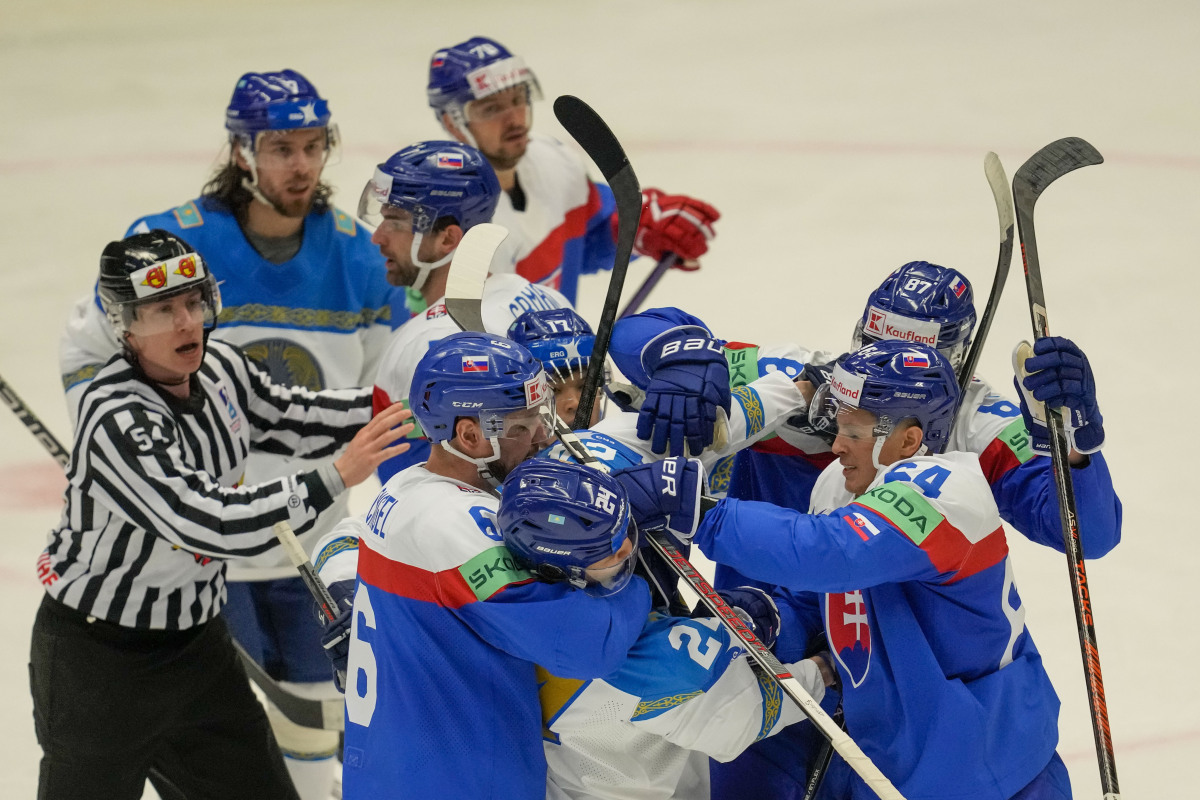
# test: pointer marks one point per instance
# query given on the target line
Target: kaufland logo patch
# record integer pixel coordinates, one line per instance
(536, 390)
(846, 386)
(885, 325)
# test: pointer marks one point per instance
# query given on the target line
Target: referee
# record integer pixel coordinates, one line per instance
(132, 668)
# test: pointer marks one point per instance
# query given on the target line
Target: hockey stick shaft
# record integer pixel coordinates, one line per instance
(40, 431)
(598, 141)
(295, 553)
(301, 710)
(1049, 163)
(994, 171)
(824, 758)
(639, 297)
(841, 741)
(845, 746)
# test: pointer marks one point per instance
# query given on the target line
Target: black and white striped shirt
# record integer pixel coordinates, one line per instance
(153, 500)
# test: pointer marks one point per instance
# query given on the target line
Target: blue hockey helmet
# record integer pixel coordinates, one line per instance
(473, 70)
(925, 303)
(149, 267)
(558, 337)
(275, 101)
(432, 180)
(558, 520)
(485, 377)
(895, 381)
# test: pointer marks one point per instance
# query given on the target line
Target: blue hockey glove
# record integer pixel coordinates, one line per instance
(755, 607)
(665, 494)
(1056, 372)
(689, 381)
(336, 639)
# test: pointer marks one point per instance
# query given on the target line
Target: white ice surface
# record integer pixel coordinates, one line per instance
(838, 140)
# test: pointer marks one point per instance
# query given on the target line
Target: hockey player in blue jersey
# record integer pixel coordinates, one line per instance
(561, 223)
(917, 302)
(904, 563)
(441, 689)
(305, 296)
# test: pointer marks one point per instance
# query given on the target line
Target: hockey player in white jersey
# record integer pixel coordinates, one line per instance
(131, 668)
(441, 689)
(306, 298)
(685, 692)
(421, 202)
(561, 222)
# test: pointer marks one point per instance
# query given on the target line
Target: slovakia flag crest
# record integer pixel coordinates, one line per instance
(475, 364)
(959, 287)
(849, 633)
(449, 161)
(916, 360)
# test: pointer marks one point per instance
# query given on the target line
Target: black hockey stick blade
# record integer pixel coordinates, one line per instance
(468, 271)
(325, 714)
(1048, 165)
(598, 141)
(592, 133)
(1043, 168)
(998, 182)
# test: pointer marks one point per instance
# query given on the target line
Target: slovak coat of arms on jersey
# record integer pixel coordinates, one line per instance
(849, 633)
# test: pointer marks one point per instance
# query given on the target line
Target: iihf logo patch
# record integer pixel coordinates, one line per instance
(235, 423)
(849, 633)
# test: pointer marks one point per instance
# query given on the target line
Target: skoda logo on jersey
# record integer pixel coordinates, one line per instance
(287, 362)
(849, 633)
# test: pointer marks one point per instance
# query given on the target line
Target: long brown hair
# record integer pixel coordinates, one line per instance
(224, 189)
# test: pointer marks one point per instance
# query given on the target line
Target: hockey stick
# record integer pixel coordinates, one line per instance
(468, 271)
(43, 435)
(295, 553)
(598, 141)
(665, 263)
(1043, 168)
(1004, 210)
(300, 710)
(841, 741)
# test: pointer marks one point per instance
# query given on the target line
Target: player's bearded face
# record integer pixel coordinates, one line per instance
(289, 167)
(394, 238)
(500, 124)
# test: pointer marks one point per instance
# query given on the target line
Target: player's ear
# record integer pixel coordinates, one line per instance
(448, 239)
(911, 440)
(469, 435)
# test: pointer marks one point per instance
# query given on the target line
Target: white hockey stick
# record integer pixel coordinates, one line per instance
(468, 271)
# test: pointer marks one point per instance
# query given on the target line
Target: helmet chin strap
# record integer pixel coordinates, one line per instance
(879, 440)
(489, 468)
(251, 184)
(424, 267)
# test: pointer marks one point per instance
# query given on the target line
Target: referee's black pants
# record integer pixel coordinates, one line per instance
(111, 705)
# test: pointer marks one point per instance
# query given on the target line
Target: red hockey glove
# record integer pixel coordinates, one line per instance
(674, 223)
